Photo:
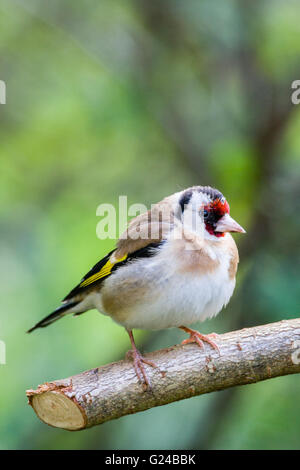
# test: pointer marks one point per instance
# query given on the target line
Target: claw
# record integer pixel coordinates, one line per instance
(138, 362)
(200, 339)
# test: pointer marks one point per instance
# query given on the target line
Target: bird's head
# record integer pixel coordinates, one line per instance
(210, 210)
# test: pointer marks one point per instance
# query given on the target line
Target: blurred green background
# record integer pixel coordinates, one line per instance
(144, 98)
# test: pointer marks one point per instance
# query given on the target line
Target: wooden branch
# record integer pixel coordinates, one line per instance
(109, 392)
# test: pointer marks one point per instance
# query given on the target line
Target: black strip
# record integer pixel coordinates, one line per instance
(185, 199)
(53, 316)
(145, 252)
(95, 269)
(213, 193)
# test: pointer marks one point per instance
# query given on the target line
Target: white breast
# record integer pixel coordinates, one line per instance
(164, 295)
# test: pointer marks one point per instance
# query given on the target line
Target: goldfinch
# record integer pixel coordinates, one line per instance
(174, 265)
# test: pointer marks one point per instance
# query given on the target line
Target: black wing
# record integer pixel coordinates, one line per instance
(105, 268)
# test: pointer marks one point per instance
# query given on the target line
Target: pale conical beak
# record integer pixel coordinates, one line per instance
(228, 224)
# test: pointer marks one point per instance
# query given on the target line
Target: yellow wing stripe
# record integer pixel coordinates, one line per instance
(105, 271)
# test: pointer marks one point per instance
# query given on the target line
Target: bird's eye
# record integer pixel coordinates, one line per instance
(205, 214)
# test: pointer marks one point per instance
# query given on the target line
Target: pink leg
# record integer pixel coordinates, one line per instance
(138, 362)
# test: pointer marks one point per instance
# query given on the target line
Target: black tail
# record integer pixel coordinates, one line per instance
(58, 313)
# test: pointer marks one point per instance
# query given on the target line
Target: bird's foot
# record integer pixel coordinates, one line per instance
(138, 362)
(200, 339)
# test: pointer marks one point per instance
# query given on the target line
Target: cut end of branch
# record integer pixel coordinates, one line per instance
(58, 410)
(109, 392)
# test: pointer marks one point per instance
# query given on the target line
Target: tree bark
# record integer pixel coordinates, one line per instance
(98, 395)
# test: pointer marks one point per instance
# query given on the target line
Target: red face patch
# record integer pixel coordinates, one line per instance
(219, 207)
(213, 213)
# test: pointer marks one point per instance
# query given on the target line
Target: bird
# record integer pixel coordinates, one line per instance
(173, 266)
